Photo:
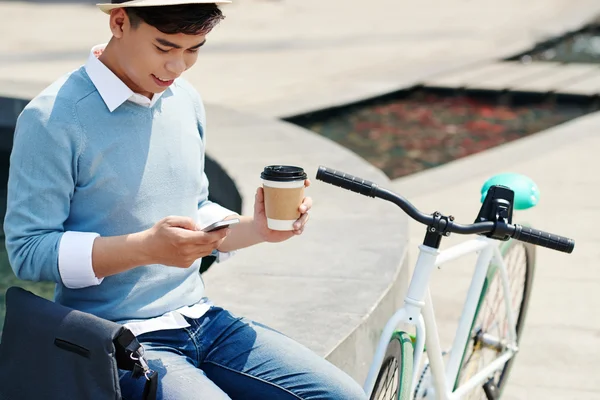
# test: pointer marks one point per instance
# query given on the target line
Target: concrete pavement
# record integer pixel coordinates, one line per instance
(280, 58)
(561, 341)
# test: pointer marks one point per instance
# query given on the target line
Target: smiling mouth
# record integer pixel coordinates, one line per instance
(162, 82)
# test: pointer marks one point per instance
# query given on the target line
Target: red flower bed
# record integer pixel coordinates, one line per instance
(426, 130)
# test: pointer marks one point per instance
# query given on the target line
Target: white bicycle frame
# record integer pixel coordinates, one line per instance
(418, 311)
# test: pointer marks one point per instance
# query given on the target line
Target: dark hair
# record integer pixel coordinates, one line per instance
(190, 19)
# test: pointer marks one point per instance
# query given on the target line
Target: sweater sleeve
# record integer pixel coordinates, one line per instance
(41, 183)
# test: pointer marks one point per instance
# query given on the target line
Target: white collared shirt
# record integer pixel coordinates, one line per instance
(112, 89)
(75, 248)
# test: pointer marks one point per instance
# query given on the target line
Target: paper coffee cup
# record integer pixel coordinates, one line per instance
(283, 187)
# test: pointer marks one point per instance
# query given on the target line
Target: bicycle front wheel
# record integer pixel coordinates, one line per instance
(394, 378)
(490, 327)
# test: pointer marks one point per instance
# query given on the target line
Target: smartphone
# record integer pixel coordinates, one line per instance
(220, 225)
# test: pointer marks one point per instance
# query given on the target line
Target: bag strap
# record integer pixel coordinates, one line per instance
(130, 357)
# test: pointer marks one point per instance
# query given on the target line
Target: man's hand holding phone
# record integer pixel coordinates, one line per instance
(220, 225)
(176, 241)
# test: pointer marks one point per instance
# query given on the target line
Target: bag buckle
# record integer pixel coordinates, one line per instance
(142, 362)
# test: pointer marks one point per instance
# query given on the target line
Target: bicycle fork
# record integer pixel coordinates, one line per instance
(409, 314)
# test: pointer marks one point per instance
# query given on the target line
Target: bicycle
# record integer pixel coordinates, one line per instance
(396, 371)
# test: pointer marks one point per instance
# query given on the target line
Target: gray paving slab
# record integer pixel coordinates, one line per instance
(587, 86)
(510, 74)
(25, 90)
(560, 340)
(464, 76)
(542, 77)
(552, 80)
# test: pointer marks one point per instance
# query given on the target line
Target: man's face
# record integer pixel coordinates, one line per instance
(152, 59)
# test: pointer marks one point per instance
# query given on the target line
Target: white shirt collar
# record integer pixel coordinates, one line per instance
(112, 89)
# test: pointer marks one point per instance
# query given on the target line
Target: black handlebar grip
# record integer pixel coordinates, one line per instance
(545, 239)
(346, 181)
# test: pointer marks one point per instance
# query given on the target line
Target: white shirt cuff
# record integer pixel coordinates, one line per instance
(75, 259)
(222, 257)
(212, 212)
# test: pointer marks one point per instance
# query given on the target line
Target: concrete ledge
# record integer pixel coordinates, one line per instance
(334, 287)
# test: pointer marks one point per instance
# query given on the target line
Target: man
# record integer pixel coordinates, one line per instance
(106, 197)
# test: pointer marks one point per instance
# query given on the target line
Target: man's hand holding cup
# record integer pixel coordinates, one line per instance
(280, 208)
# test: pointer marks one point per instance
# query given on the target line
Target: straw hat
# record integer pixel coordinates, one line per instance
(106, 7)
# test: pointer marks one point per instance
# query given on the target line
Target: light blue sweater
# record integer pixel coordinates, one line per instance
(75, 166)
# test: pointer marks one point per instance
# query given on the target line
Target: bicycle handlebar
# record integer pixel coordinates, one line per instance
(518, 232)
(545, 239)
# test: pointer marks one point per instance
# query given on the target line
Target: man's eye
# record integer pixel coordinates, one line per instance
(193, 51)
(161, 50)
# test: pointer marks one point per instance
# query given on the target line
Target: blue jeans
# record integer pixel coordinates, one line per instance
(221, 356)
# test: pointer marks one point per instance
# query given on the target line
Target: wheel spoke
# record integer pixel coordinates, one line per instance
(492, 320)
